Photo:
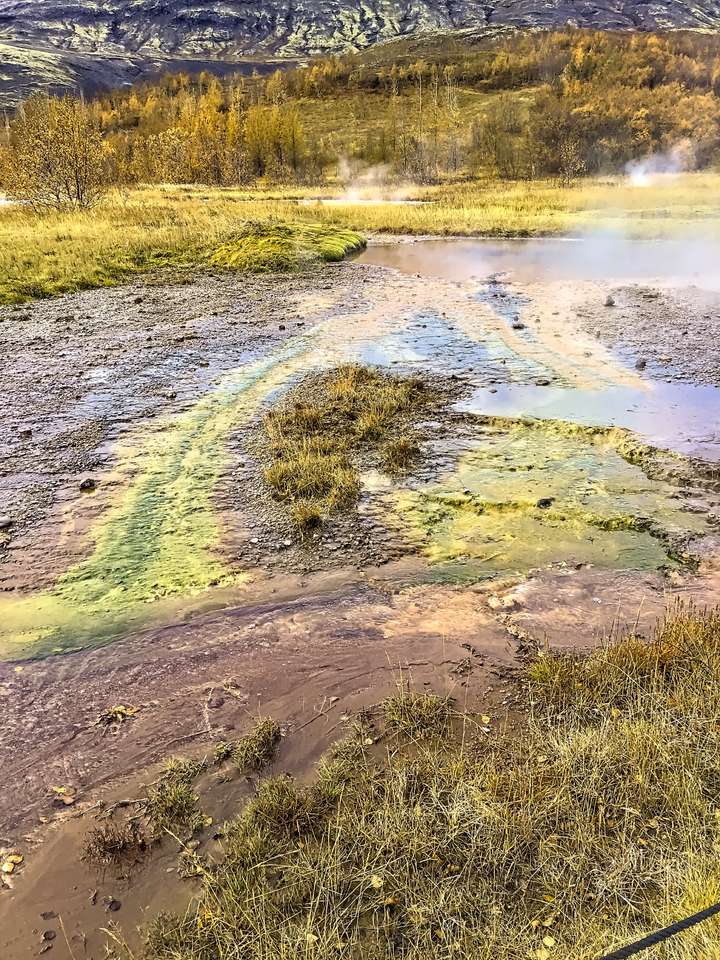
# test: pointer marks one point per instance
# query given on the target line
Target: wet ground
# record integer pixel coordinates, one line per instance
(569, 486)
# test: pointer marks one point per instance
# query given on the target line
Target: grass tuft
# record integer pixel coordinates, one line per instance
(399, 454)
(313, 435)
(272, 247)
(415, 714)
(257, 748)
(172, 806)
(113, 843)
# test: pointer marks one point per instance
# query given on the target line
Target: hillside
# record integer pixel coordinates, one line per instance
(91, 45)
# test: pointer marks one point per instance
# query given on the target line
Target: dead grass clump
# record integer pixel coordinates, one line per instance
(667, 666)
(257, 748)
(400, 453)
(595, 826)
(113, 843)
(313, 436)
(172, 806)
(417, 714)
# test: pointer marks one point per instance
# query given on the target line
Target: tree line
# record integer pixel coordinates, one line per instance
(558, 103)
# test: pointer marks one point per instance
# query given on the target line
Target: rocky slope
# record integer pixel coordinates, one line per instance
(93, 43)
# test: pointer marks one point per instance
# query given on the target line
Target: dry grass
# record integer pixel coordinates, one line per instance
(313, 435)
(172, 806)
(184, 227)
(149, 230)
(257, 748)
(114, 843)
(417, 714)
(399, 454)
(598, 824)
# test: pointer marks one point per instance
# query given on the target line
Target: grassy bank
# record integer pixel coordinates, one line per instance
(430, 834)
(190, 227)
(42, 256)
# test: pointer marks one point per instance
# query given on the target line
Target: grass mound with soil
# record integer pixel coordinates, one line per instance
(597, 824)
(314, 436)
(274, 247)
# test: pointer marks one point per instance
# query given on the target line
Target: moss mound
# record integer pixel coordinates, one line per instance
(271, 247)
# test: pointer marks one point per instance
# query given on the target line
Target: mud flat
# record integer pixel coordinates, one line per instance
(564, 488)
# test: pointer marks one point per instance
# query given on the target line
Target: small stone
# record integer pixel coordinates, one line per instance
(545, 503)
(542, 382)
(5, 522)
(609, 300)
(138, 300)
(518, 325)
(88, 485)
(214, 703)
(25, 432)
(640, 364)
(113, 905)
(49, 935)
(281, 326)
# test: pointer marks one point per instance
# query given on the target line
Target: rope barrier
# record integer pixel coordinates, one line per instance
(661, 935)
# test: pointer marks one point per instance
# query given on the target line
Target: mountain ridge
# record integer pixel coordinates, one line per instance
(89, 44)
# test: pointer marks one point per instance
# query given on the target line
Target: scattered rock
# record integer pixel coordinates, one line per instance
(640, 364)
(112, 904)
(518, 325)
(609, 300)
(544, 503)
(542, 382)
(49, 935)
(5, 522)
(88, 485)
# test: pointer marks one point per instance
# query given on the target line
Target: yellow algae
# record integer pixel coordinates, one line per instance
(530, 494)
(159, 542)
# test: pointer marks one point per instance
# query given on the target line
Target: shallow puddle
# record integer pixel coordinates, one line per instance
(593, 257)
(677, 416)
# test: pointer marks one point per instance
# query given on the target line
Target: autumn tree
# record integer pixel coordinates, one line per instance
(56, 157)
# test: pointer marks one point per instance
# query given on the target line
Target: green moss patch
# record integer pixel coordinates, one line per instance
(274, 247)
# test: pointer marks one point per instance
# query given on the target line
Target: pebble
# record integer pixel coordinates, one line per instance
(5, 522)
(88, 485)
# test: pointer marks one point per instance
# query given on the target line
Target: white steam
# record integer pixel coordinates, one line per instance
(660, 168)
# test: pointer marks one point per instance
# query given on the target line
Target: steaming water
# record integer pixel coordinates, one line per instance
(599, 257)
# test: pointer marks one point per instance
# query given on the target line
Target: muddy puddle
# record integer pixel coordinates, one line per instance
(569, 484)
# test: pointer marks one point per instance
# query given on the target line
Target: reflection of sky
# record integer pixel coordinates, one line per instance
(681, 417)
